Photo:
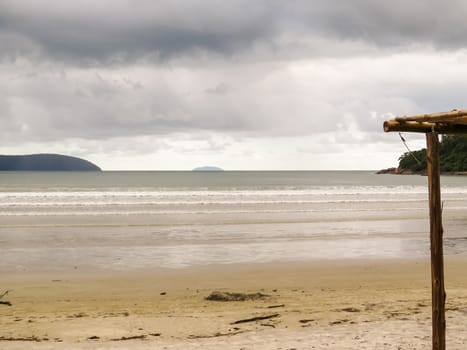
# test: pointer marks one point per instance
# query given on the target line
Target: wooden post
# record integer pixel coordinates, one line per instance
(438, 294)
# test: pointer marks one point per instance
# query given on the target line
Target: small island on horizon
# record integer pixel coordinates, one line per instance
(45, 162)
(208, 168)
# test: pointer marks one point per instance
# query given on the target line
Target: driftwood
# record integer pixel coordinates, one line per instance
(32, 338)
(4, 302)
(350, 309)
(218, 334)
(307, 320)
(257, 318)
(133, 337)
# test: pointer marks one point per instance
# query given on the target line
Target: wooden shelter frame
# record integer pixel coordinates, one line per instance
(453, 122)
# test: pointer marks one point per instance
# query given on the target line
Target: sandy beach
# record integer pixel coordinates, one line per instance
(318, 260)
(354, 304)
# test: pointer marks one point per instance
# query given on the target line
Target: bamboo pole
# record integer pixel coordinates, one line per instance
(437, 117)
(458, 119)
(438, 294)
(401, 125)
(432, 124)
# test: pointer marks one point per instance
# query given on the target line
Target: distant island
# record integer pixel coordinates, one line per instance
(452, 154)
(45, 162)
(208, 168)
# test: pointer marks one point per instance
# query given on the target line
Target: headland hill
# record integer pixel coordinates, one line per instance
(45, 162)
(452, 155)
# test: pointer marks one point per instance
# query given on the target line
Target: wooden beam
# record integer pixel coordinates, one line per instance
(423, 127)
(438, 294)
(438, 117)
(462, 119)
(452, 122)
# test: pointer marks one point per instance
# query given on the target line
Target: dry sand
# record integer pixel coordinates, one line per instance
(329, 305)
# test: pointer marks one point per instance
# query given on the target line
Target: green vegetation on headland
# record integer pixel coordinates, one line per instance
(452, 152)
(45, 162)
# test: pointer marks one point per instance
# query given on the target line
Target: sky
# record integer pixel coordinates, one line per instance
(239, 84)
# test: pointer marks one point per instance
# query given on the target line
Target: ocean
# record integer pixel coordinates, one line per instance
(123, 221)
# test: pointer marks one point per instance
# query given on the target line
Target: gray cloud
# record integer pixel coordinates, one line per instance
(332, 71)
(120, 31)
(116, 31)
(394, 23)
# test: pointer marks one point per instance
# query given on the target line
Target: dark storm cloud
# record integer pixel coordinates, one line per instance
(119, 31)
(386, 23)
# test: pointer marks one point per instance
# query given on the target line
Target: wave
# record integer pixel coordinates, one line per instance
(147, 202)
(316, 195)
(331, 190)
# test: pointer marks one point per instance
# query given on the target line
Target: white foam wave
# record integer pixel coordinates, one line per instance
(165, 201)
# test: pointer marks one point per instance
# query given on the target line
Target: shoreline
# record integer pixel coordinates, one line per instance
(398, 171)
(305, 300)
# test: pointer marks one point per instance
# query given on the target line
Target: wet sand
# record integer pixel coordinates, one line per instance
(340, 304)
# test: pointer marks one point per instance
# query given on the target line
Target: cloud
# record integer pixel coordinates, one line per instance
(225, 72)
(116, 31)
(50, 102)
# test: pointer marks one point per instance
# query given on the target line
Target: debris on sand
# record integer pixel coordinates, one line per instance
(227, 296)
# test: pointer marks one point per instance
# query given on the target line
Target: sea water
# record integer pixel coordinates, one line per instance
(53, 221)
